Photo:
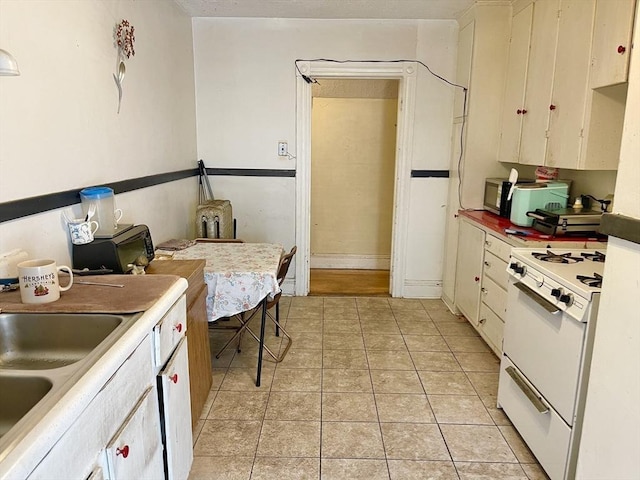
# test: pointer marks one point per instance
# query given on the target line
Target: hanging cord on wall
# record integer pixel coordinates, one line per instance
(309, 79)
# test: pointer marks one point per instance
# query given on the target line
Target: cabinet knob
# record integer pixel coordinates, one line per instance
(482, 320)
(477, 279)
(621, 49)
(174, 378)
(552, 107)
(178, 327)
(521, 111)
(487, 264)
(124, 451)
(484, 290)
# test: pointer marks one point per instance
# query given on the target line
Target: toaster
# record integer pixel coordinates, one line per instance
(118, 253)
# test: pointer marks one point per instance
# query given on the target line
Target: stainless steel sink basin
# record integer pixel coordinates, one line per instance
(18, 395)
(45, 341)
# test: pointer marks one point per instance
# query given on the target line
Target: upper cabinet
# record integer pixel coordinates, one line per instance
(611, 42)
(551, 114)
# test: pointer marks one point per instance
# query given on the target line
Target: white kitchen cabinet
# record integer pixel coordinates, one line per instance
(124, 430)
(557, 120)
(611, 42)
(82, 447)
(514, 100)
(176, 406)
(535, 122)
(171, 358)
(469, 270)
(135, 451)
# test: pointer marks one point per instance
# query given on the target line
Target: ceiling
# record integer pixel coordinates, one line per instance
(364, 9)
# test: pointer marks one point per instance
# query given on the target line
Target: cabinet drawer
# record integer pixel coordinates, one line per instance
(494, 296)
(168, 332)
(491, 328)
(545, 433)
(499, 248)
(77, 452)
(496, 269)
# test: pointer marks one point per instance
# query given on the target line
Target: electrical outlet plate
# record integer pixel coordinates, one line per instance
(282, 149)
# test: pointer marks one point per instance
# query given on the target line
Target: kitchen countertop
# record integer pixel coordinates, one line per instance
(20, 457)
(532, 237)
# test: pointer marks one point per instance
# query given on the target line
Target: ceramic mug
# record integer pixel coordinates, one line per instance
(39, 281)
(82, 232)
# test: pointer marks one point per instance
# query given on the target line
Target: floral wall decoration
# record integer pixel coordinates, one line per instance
(124, 38)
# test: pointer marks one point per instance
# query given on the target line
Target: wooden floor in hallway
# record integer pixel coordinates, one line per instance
(349, 282)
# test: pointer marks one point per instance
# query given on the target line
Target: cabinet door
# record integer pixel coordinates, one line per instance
(469, 270)
(611, 42)
(176, 409)
(570, 84)
(513, 107)
(544, 34)
(136, 449)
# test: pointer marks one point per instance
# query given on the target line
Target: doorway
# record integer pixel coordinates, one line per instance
(353, 153)
(321, 70)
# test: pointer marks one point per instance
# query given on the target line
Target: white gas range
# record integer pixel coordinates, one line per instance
(552, 303)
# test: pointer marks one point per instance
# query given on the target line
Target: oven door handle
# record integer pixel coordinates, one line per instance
(526, 389)
(540, 300)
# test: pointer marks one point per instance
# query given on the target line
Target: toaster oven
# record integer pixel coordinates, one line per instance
(119, 253)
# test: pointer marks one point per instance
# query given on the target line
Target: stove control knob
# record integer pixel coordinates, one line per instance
(516, 267)
(556, 292)
(567, 299)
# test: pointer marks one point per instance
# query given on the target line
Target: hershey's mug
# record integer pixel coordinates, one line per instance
(39, 281)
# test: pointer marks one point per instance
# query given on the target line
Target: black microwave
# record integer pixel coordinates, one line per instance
(118, 253)
(496, 191)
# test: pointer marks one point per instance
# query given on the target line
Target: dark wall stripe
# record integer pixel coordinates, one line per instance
(620, 226)
(251, 172)
(43, 203)
(429, 173)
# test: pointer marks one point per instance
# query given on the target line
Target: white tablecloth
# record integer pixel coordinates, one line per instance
(238, 275)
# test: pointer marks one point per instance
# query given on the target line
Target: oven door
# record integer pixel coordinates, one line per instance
(546, 347)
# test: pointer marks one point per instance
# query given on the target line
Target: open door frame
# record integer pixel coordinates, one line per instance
(406, 74)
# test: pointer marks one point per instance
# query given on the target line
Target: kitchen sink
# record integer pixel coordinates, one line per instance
(45, 341)
(18, 395)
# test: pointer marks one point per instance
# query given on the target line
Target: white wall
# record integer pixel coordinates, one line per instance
(246, 94)
(611, 432)
(59, 129)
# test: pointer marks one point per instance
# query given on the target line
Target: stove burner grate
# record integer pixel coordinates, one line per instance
(551, 257)
(595, 281)
(594, 257)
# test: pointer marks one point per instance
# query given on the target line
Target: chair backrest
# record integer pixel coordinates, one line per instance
(285, 261)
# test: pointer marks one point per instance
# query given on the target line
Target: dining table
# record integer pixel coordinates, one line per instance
(239, 277)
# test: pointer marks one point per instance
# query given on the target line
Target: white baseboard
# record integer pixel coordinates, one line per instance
(422, 289)
(361, 262)
(289, 287)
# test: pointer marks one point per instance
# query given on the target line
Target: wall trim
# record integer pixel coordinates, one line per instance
(406, 73)
(422, 289)
(360, 262)
(429, 173)
(24, 207)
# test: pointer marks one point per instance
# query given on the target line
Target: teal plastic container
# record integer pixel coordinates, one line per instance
(529, 197)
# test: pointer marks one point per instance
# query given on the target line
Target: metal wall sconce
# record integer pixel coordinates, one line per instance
(8, 64)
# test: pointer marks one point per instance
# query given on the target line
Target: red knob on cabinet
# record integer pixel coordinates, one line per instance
(521, 112)
(518, 111)
(174, 378)
(477, 279)
(124, 451)
(621, 49)
(179, 327)
(552, 107)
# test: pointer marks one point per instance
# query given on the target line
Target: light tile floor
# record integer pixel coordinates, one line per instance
(372, 388)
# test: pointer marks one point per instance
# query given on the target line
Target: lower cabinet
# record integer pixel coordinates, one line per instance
(138, 426)
(469, 269)
(173, 383)
(135, 451)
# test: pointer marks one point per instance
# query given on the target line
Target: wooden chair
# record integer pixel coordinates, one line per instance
(246, 317)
